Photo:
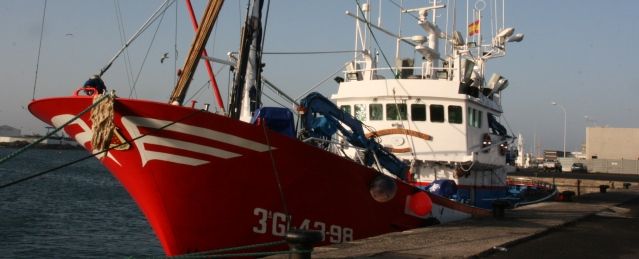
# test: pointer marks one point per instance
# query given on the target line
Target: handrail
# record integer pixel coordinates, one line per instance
(421, 68)
(306, 140)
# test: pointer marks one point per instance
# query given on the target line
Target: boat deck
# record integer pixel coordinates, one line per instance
(481, 237)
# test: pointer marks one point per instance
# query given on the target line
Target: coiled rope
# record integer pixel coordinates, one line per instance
(102, 124)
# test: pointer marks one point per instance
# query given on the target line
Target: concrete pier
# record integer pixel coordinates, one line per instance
(481, 237)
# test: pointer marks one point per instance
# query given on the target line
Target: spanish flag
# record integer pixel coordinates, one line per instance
(473, 28)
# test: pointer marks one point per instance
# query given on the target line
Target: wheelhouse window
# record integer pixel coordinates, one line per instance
(474, 117)
(346, 109)
(376, 111)
(360, 112)
(470, 116)
(436, 113)
(418, 112)
(396, 111)
(454, 114)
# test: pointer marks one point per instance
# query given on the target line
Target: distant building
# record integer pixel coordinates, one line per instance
(553, 155)
(612, 143)
(8, 131)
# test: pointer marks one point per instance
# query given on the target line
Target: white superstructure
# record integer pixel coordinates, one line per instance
(438, 111)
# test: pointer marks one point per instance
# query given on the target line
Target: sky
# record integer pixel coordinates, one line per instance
(578, 53)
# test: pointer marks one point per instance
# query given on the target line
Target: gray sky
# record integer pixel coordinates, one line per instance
(577, 53)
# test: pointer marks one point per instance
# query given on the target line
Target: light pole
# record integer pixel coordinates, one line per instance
(564, 109)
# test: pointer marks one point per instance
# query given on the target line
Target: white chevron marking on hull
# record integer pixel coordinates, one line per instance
(132, 124)
(82, 137)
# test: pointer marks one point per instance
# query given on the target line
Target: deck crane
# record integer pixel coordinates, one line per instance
(322, 119)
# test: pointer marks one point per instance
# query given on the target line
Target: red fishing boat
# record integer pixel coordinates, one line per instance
(207, 180)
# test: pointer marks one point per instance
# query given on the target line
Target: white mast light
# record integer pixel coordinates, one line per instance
(505, 33)
(418, 39)
(458, 39)
(516, 38)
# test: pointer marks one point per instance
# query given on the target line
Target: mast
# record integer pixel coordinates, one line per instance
(202, 36)
(247, 88)
(209, 70)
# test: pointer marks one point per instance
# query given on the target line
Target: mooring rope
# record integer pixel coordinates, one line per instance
(276, 174)
(30, 145)
(252, 254)
(128, 142)
(219, 253)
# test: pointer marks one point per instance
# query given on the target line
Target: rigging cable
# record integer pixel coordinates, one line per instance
(146, 24)
(35, 81)
(368, 25)
(309, 52)
(279, 92)
(259, 87)
(268, 8)
(175, 47)
(396, 74)
(322, 82)
(400, 6)
(122, 33)
(273, 100)
(135, 82)
(197, 93)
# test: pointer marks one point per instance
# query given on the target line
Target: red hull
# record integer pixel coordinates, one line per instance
(208, 182)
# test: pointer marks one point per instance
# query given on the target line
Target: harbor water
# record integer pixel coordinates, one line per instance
(80, 211)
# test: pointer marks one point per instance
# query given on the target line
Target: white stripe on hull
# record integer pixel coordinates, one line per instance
(197, 131)
(82, 137)
(133, 123)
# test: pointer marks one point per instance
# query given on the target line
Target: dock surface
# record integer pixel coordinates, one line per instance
(483, 236)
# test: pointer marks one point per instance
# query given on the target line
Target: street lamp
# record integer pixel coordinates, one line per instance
(564, 109)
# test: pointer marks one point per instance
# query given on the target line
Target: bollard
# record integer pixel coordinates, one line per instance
(578, 188)
(499, 206)
(626, 185)
(568, 195)
(603, 188)
(301, 242)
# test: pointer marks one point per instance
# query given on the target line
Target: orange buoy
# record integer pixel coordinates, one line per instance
(420, 204)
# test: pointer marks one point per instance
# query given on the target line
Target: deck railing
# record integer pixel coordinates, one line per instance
(438, 72)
